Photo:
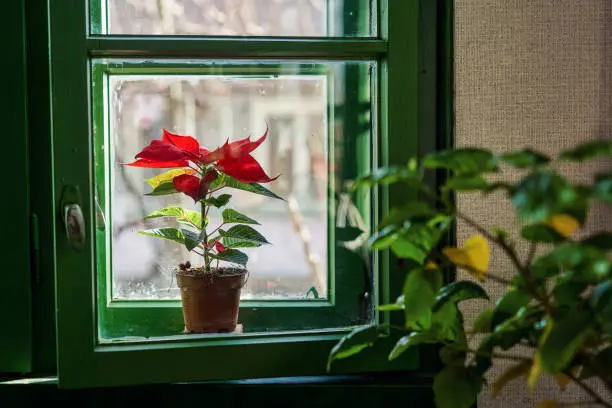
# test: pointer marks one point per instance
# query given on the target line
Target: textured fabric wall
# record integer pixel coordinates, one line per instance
(531, 73)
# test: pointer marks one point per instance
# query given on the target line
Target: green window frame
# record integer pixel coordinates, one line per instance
(148, 318)
(411, 117)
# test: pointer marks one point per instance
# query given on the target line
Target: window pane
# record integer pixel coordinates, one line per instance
(289, 18)
(305, 145)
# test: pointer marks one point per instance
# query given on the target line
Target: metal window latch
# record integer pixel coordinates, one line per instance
(72, 216)
(100, 218)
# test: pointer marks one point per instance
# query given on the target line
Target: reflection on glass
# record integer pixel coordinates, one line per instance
(213, 108)
(289, 18)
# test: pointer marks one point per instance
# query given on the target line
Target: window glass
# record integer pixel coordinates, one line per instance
(319, 135)
(288, 18)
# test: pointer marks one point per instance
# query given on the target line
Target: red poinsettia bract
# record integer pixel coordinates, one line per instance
(233, 159)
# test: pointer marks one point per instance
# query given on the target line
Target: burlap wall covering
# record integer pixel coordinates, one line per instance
(531, 73)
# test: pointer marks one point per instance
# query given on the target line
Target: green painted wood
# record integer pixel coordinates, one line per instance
(361, 391)
(82, 362)
(41, 197)
(217, 47)
(15, 285)
(400, 116)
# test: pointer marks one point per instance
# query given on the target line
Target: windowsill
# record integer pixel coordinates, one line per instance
(380, 379)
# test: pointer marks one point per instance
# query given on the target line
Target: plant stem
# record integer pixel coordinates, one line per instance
(532, 252)
(205, 236)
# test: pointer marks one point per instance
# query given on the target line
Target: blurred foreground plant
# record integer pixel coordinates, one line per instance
(558, 299)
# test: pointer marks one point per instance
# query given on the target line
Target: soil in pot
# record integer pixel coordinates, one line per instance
(211, 299)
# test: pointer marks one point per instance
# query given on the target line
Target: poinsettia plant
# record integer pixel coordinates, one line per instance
(204, 175)
(555, 317)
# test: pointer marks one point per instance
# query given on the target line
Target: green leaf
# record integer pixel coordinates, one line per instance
(482, 322)
(391, 307)
(164, 188)
(413, 339)
(603, 187)
(584, 263)
(387, 175)
(170, 234)
(232, 216)
(314, 291)
(353, 343)
(542, 234)
(567, 292)
(193, 217)
(231, 255)
(456, 387)
(458, 291)
(244, 233)
(447, 323)
(451, 355)
(588, 150)
(466, 183)
(219, 201)
(256, 188)
(420, 288)
(508, 305)
(565, 338)
(601, 298)
(601, 240)
(525, 158)
(407, 212)
(192, 238)
(542, 194)
(238, 243)
(384, 238)
(347, 234)
(463, 161)
(415, 242)
(509, 333)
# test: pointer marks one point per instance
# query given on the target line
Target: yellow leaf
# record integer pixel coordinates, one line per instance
(510, 374)
(563, 224)
(535, 371)
(431, 265)
(154, 182)
(474, 256)
(548, 404)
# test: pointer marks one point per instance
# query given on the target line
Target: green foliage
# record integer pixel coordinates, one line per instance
(458, 291)
(457, 387)
(231, 216)
(256, 188)
(192, 217)
(525, 158)
(219, 201)
(558, 299)
(353, 343)
(243, 233)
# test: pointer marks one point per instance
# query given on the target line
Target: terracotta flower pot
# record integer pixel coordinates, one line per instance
(211, 299)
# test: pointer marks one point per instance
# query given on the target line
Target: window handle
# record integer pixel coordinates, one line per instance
(100, 219)
(72, 216)
(74, 222)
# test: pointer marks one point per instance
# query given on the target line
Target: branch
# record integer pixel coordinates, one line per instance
(525, 271)
(532, 252)
(589, 390)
